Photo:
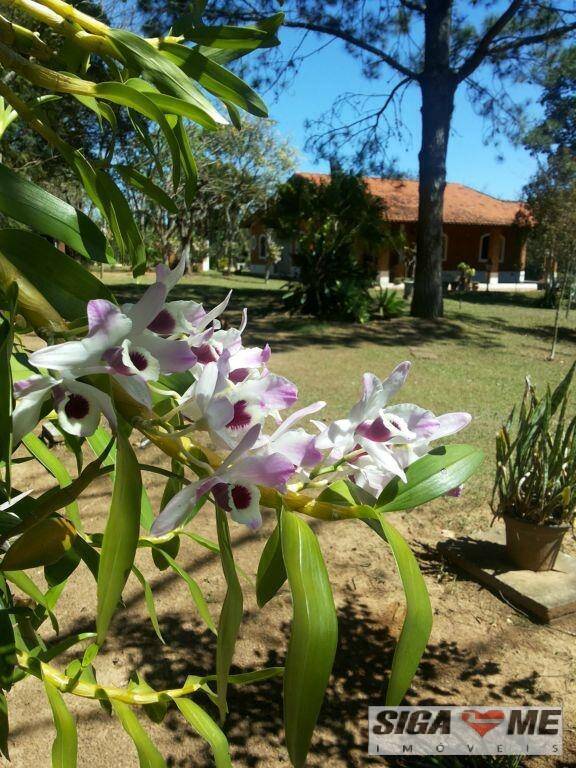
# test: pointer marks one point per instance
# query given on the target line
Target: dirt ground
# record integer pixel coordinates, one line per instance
(481, 650)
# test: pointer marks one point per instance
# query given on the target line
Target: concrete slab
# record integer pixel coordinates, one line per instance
(546, 595)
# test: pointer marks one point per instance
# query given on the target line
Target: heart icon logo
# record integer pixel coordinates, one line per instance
(482, 722)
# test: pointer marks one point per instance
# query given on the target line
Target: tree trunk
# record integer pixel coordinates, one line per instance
(438, 86)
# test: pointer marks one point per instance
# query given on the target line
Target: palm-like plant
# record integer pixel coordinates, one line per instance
(536, 458)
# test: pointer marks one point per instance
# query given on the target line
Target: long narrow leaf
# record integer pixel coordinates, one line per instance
(50, 461)
(440, 471)
(65, 746)
(120, 536)
(313, 636)
(207, 729)
(148, 755)
(52, 286)
(418, 621)
(231, 614)
(29, 204)
(271, 573)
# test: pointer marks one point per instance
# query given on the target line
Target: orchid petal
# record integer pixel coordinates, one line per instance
(273, 470)
(450, 423)
(214, 313)
(147, 308)
(175, 511)
(248, 441)
(26, 413)
(383, 457)
(244, 502)
(169, 277)
(173, 356)
(295, 417)
(136, 388)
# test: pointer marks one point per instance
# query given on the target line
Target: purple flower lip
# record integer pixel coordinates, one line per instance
(239, 375)
(77, 406)
(164, 323)
(205, 354)
(375, 431)
(241, 418)
(241, 496)
(139, 360)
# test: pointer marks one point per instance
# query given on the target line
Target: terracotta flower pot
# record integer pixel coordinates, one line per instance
(533, 547)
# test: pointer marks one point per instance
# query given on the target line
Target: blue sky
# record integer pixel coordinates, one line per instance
(500, 171)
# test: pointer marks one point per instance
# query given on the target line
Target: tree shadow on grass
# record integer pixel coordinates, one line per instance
(270, 323)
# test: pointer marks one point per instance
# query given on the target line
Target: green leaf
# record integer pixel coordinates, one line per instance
(4, 726)
(120, 536)
(156, 712)
(7, 640)
(165, 75)
(194, 589)
(102, 111)
(313, 637)
(171, 105)
(151, 190)
(207, 729)
(224, 36)
(216, 79)
(149, 598)
(119, 215)
(230, 615)
(440, 471)
(42, 544)
(52, 286)
(171, 547)
(62, 568)
(25, 583)
(52, 651)
(29, 204)
(100, 442)
(65, 746)
(49, 460)
(188, 162)
(225, 55)
(148, 755)
(6, 386)
(418, 621)
(271, 570)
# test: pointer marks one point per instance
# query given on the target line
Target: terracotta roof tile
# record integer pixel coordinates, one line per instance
(462, 205)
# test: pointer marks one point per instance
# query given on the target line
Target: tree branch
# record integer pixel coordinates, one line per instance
(348, 37)
(542, 37)
(482, 49)
(412, 5)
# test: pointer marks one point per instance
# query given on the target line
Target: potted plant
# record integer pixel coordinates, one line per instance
(534, 489)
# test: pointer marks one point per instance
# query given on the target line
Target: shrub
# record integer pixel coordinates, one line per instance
(390, 304)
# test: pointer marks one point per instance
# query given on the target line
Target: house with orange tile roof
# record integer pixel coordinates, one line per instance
(487, 233)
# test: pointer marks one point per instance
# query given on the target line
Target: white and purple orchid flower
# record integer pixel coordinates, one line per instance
(78, 405)
(377, 442)
(234, 486)
(228, 409)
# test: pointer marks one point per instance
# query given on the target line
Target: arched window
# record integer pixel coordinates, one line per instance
(444, 247)
(502, 251)
(262, 248)
(484, 248)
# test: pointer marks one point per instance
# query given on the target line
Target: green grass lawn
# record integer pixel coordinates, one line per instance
(475, 359)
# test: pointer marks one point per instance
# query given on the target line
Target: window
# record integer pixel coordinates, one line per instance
(484, 248)
(502, 253)
(444, 247)
(262, 248)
